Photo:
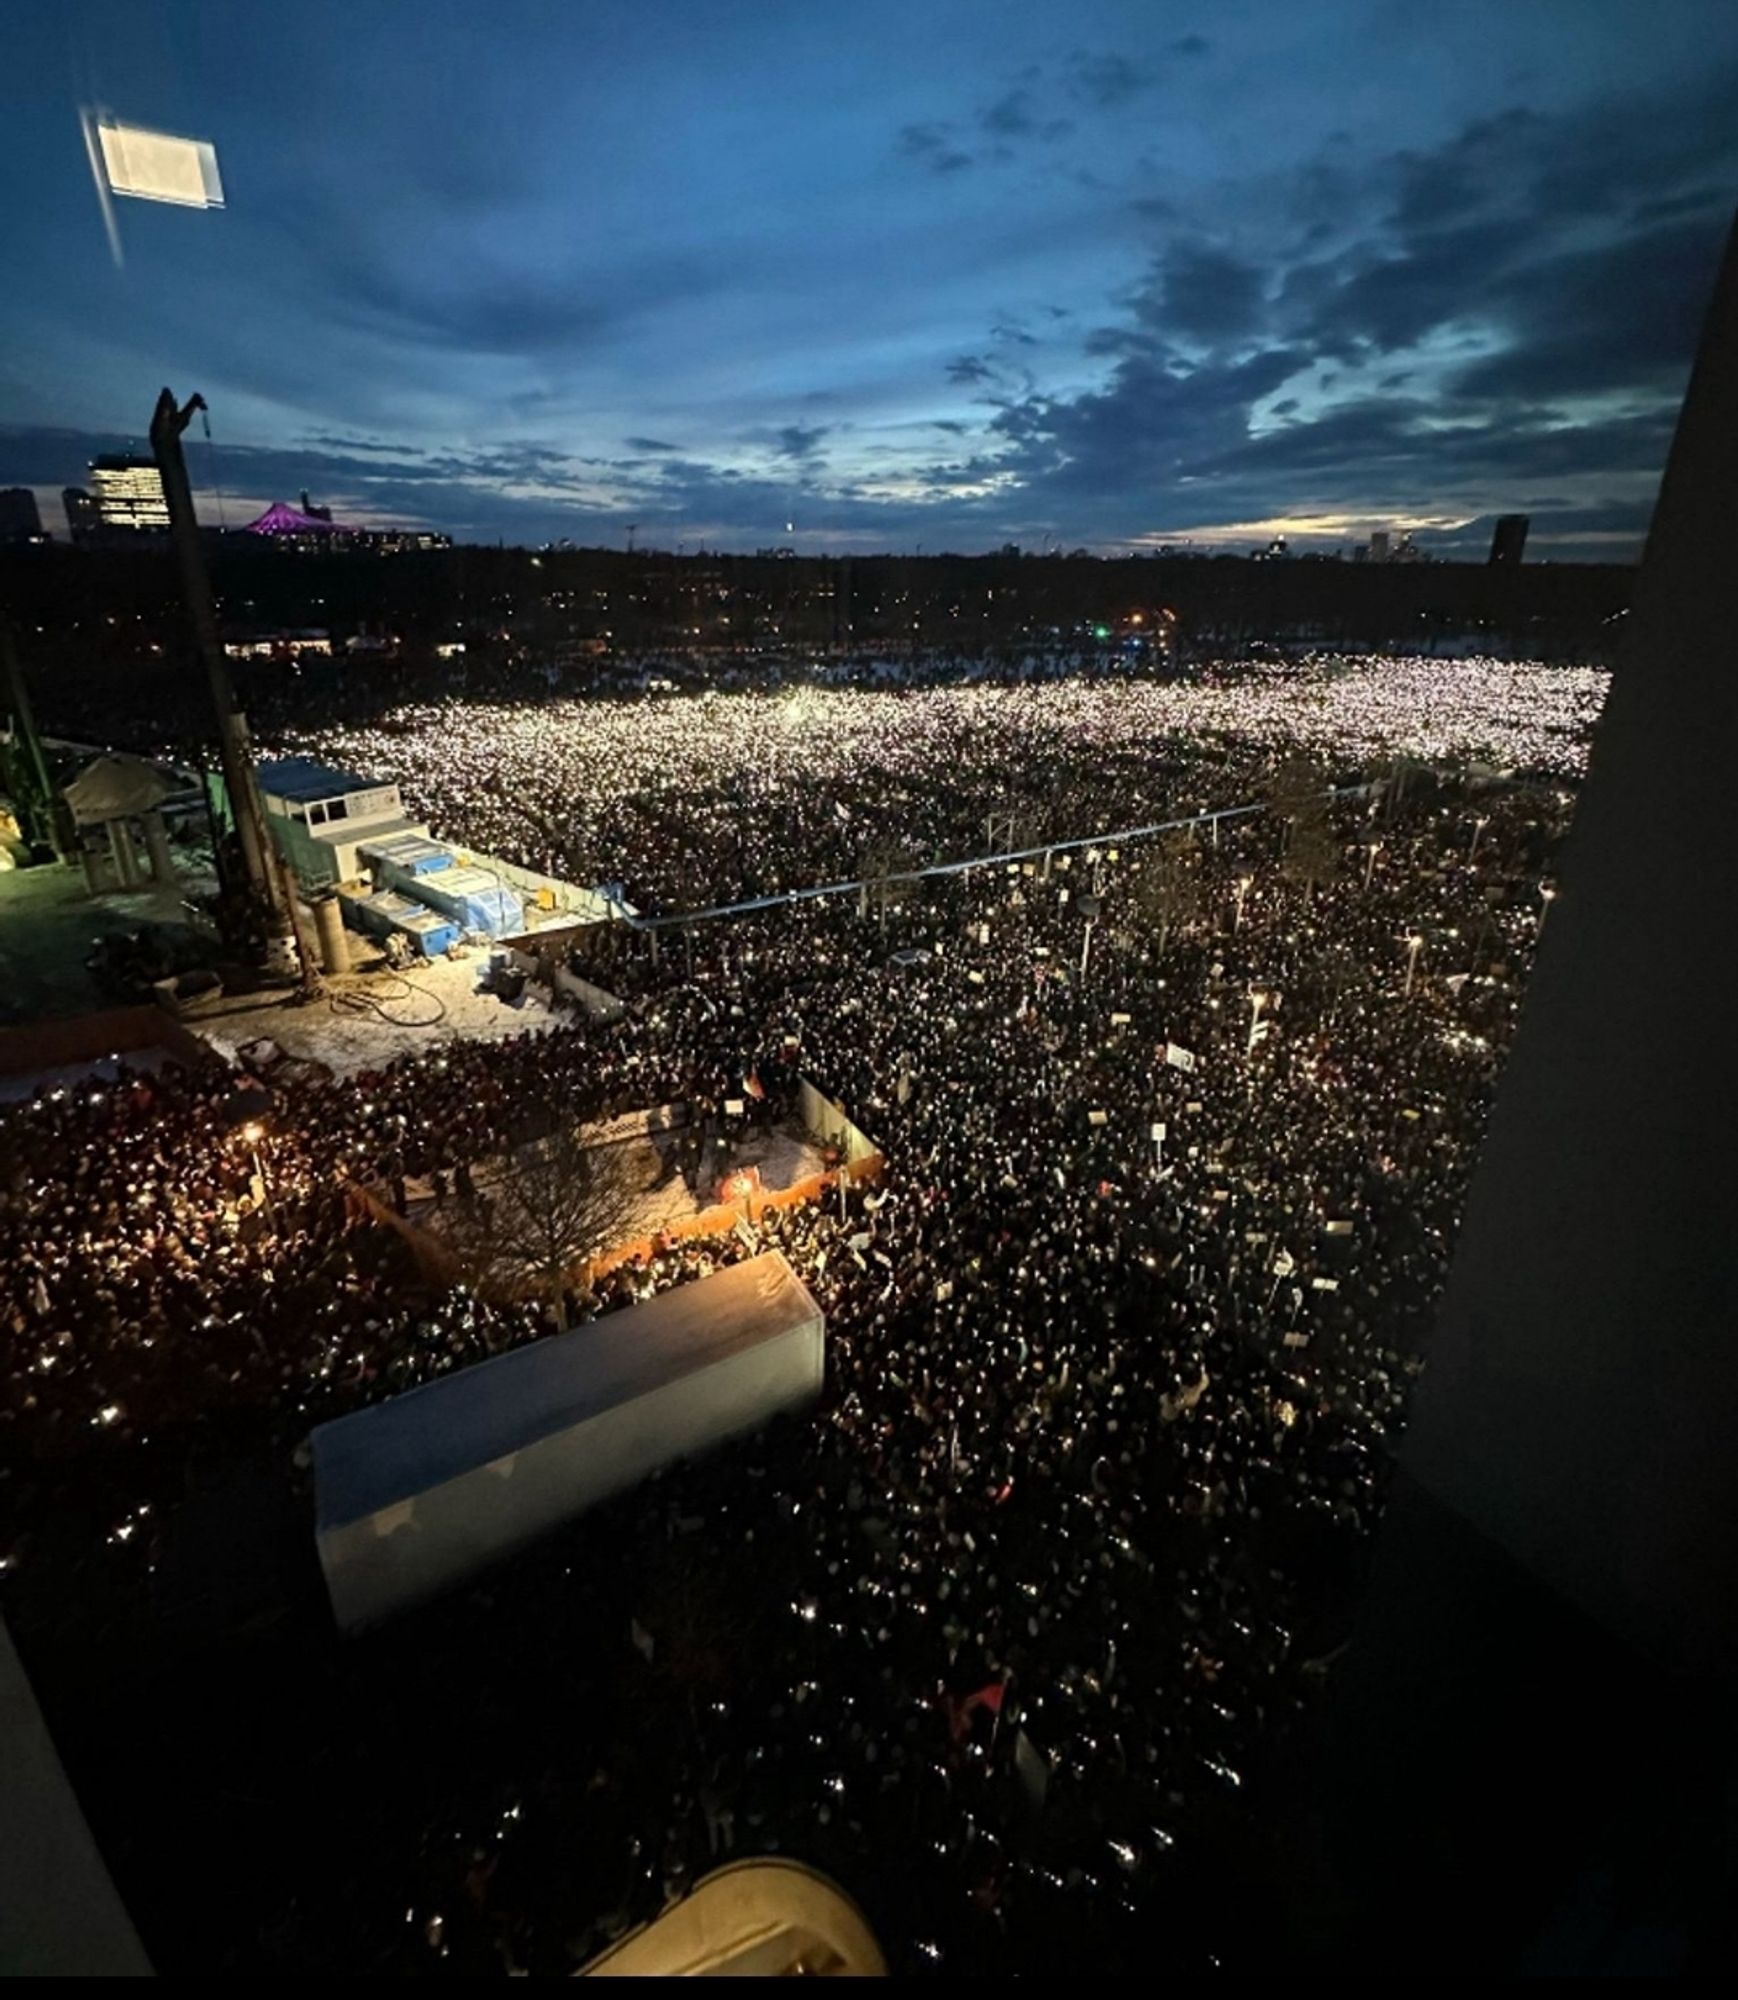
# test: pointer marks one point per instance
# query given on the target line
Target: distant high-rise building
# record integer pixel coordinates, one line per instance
(129, 496)
(1379, 545)
(20, 518)
(82, 520)
(1510, 537)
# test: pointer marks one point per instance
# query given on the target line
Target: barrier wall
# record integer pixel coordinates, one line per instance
(862, 1162)
(593, 1000)
(89, 1037)
(542, 955)
(721, 1220)
(439, 1266)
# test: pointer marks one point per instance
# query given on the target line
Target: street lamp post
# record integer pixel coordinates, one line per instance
(1375, 848)
(1256, 1002)
(1547, 896)
(1243, 883)
(1089, 909)
(1413, 945)
(1478, 827)
(254, 1133)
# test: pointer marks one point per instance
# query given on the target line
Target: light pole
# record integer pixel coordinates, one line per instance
(1478, 827)
(1089, 909)
(1256, 1002)
(1243, 885)
(254, 1133)
(1375, 848)
(1413, 945)
(1547, 896)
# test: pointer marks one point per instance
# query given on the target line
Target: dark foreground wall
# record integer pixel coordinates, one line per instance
(1533, 1762)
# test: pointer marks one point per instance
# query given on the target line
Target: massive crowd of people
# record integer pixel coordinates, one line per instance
(1006, 1631)
(710, 798)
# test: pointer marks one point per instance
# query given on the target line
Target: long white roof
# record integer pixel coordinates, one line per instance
(392, 1451)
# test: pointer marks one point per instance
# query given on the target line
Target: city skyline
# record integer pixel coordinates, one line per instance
(944, 281)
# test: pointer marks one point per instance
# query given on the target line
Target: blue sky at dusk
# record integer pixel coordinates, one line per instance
(942, 275)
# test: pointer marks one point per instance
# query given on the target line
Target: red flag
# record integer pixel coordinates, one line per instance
(959, 1713)
(987, 1697)
(753, 1085)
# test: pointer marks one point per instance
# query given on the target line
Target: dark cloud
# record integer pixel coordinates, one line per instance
(1621, 317)
(1712, 200)
(1188, 45)
(1138, 434)
(1109, 80)
(1591, 290)
(801, 440)
(1469, 176)
(1010, 117)
(970, 368)
(1016, 116)
(330, 443)
(375, 283)
(649, 444)
(1205, 294)
(931, 146)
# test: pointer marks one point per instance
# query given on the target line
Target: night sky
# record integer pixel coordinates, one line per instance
(923, 273)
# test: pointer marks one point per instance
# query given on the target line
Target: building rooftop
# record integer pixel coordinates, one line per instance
(303, 780)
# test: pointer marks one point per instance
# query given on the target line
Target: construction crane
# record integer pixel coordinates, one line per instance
(23, 767)
(266, 889)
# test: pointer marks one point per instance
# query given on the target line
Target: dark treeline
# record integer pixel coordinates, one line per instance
(106, 628)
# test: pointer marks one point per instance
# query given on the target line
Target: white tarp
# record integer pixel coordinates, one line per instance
(416, 1494)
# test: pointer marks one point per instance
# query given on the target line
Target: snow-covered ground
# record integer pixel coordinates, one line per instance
(364, 1019)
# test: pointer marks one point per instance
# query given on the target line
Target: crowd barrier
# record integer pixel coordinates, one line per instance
(861, 1161)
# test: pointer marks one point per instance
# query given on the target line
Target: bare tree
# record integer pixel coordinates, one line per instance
(1167, 891)
(1312, 857)
(1334, 972)
(1293, 792)
(887, 855)
(552, 1203)
(688, 891)
(1298, 798)
(1400, 777)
